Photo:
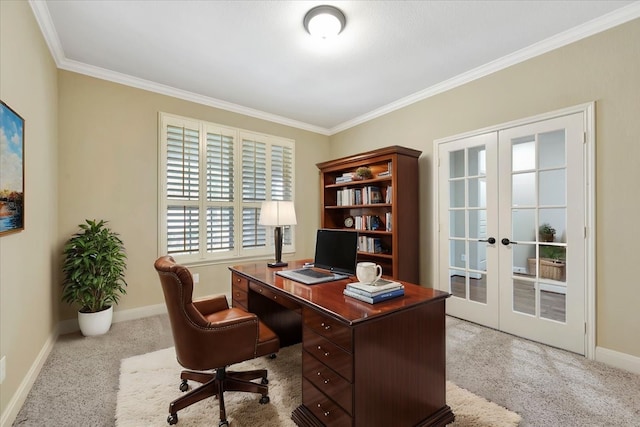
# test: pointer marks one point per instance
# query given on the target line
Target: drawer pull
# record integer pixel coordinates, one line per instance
(326, 353)
(325, 413)
(325, 326)
(324, 380)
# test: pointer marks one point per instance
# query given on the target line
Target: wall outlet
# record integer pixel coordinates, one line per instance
(3, 368)
(196, 278)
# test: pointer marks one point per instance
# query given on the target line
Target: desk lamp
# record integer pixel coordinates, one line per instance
(277, 214)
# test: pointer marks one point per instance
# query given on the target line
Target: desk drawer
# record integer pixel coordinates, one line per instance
(328, 382)
(240, 282)
(328, 353)
(239, 297)
(329, 413)
(328, 328)
(279, 298)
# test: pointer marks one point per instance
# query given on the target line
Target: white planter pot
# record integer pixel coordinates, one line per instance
(92, 324)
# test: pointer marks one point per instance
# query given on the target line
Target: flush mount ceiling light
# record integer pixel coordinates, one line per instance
(324, 21)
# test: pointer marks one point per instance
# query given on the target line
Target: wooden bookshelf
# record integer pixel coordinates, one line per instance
(384, 207)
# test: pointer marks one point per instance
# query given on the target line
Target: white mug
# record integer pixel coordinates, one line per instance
(368, 272)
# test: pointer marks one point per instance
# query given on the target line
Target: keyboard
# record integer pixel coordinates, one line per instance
(312, 273)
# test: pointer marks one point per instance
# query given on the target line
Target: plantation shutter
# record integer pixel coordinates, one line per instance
(212, 182)
(220, 192)
(254, 189)
(183, 173)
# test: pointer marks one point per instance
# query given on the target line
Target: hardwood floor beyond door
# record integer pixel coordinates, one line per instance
(552, 304)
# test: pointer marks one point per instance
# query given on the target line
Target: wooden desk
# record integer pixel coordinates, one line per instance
(363, 365)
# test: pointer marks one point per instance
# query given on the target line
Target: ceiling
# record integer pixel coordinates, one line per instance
(255, 58)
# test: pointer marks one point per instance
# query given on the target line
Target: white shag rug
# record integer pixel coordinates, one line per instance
(149, 382)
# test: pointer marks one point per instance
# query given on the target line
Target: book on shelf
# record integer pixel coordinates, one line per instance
(379, 285)
(345, 177)
(375, 299)
(370, 244)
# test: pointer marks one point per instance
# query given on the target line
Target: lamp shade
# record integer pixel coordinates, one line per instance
(277, 213)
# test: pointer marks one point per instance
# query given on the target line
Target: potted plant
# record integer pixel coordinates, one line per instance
(547, 232)
(363, 172)
(94, 265)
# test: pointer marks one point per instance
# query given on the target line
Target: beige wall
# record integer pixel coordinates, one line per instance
(604, 68)
(28, 307)
(108, 170)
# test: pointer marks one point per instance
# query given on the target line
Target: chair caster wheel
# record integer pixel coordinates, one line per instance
(273, 356)
(264, 400)
(172, 419)
(264, 381)
(223, 423)
(184, 385)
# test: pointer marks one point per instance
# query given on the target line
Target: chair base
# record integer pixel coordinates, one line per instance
(215, 384)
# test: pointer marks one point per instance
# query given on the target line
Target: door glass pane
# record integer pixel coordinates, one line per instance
(552, 268)
(524, 297)
(477, 161)
(477, 192)
(456, 164)
(458, 256)
(478, 287)
(523, 222)
(551, 146)
(524, 189)
(522, 255)
(553, 186)
(456, 223)
(553, 303)
(457, 283)
(556, 218)
(523, 153)
(456, 194)
(478, 255)
(478, 224)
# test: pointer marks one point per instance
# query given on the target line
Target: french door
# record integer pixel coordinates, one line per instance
(511, 217)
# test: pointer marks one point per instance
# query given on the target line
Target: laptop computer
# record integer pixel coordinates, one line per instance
(335, 258)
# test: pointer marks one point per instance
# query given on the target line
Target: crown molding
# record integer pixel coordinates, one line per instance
(605, 22)
(127, 80)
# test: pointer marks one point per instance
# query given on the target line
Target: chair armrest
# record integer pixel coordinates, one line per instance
(211, 304)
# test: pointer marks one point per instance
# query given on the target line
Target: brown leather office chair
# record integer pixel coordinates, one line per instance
(208, 335)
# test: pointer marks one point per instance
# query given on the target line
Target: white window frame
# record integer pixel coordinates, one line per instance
(238, 135)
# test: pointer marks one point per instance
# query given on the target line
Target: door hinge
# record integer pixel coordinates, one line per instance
(584, 137)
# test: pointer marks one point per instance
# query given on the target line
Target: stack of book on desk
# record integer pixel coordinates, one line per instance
(381, 290)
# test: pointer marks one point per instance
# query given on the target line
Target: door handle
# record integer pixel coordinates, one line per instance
(508, 242)
(490, 240)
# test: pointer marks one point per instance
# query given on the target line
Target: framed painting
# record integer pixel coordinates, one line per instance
(11, 171)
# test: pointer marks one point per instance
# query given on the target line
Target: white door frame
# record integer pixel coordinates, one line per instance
(588, 110)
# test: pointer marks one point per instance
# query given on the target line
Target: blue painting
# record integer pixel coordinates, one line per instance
(11, 170)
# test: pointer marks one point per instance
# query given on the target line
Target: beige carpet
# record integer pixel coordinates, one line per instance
(150, 381)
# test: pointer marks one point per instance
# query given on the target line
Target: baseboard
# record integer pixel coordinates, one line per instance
(71, 325)
(618, 360)
(13, 408)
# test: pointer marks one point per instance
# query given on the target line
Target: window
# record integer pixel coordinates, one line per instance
(213, 180)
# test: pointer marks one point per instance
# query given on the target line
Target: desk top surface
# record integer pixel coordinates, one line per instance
(329, 298)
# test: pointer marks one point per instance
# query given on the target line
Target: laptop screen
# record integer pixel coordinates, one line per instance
(336, 250)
